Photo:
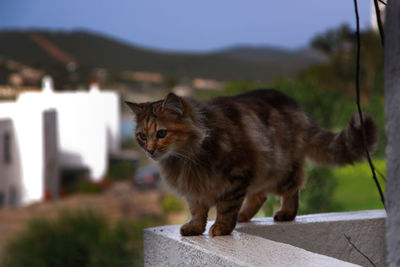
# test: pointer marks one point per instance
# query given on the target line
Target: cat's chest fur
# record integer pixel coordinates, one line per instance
(191, 178)
(214, 169)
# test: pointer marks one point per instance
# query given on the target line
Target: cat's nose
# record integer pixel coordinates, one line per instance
(151, 152)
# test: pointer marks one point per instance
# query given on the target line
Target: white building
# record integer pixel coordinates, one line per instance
(44, 132)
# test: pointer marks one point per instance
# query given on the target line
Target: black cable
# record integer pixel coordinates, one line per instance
(359, 105)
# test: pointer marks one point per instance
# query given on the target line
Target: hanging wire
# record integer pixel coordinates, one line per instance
(359, 105)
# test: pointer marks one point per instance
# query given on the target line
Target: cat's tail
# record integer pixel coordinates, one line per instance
(345, 147)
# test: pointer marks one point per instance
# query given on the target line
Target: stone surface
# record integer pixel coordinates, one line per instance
(165, 247)
(392, 110)
(265, 243)
(326, 234)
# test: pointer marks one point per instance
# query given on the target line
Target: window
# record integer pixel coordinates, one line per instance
(7, 148)
(12, 197)
(2, 200)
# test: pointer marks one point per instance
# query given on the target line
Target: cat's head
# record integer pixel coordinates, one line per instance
(166, 127)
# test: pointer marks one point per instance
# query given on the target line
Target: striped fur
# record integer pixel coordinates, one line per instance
(232, 151)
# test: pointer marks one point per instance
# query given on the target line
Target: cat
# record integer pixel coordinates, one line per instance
(232, 151)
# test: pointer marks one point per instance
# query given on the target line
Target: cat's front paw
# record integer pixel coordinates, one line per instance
(191, 228)
(220, 229)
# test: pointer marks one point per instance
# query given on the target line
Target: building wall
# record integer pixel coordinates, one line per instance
(392, 104)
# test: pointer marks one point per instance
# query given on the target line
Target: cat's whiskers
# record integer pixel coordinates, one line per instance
(187, 158)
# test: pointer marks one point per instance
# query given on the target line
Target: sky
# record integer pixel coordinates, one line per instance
(189, 25)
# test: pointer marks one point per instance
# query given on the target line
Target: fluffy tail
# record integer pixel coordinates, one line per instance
(342, 148)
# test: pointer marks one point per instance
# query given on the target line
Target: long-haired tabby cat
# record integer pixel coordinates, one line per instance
(232, 151)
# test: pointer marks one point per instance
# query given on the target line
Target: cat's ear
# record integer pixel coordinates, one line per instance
(135, 107)
(173, 103)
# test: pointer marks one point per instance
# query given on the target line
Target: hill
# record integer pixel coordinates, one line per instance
(45, 49)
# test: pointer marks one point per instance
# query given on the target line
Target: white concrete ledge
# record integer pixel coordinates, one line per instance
(326, 233)
(265, 243)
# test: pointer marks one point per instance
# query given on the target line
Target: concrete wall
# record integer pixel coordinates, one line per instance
(312, 240)
(392, 109)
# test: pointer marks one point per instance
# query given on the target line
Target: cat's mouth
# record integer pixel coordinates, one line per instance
(156, 156)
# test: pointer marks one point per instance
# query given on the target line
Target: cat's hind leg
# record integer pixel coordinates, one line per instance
(289, 189)
(289, 207)
(251, 206)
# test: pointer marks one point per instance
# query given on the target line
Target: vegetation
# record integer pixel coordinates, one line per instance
(88, 187)
(355, 189)
(78, 239)
(73, 240)
(122, 170)
(170, 203)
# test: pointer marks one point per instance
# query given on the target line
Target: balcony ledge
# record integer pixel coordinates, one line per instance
(311, 240)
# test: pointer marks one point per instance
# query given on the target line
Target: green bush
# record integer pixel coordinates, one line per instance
(73, 239)
(121, 170)
(272, 205)
(87, 187)
(317, 194)
(170, 203)
(356, 189)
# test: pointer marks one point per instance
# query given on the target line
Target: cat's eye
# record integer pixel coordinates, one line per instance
(143, 136)
(161, 133)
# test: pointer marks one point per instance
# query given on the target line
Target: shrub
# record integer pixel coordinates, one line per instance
(87, 187)
(73, 239)
(318, 192)
(170, 203)
(121, 170)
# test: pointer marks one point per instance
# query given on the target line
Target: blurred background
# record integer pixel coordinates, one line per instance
(75, 189)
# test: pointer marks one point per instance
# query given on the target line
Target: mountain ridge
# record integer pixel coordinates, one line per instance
(94, 50)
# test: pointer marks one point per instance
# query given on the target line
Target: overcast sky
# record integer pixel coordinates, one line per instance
(188, 25)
